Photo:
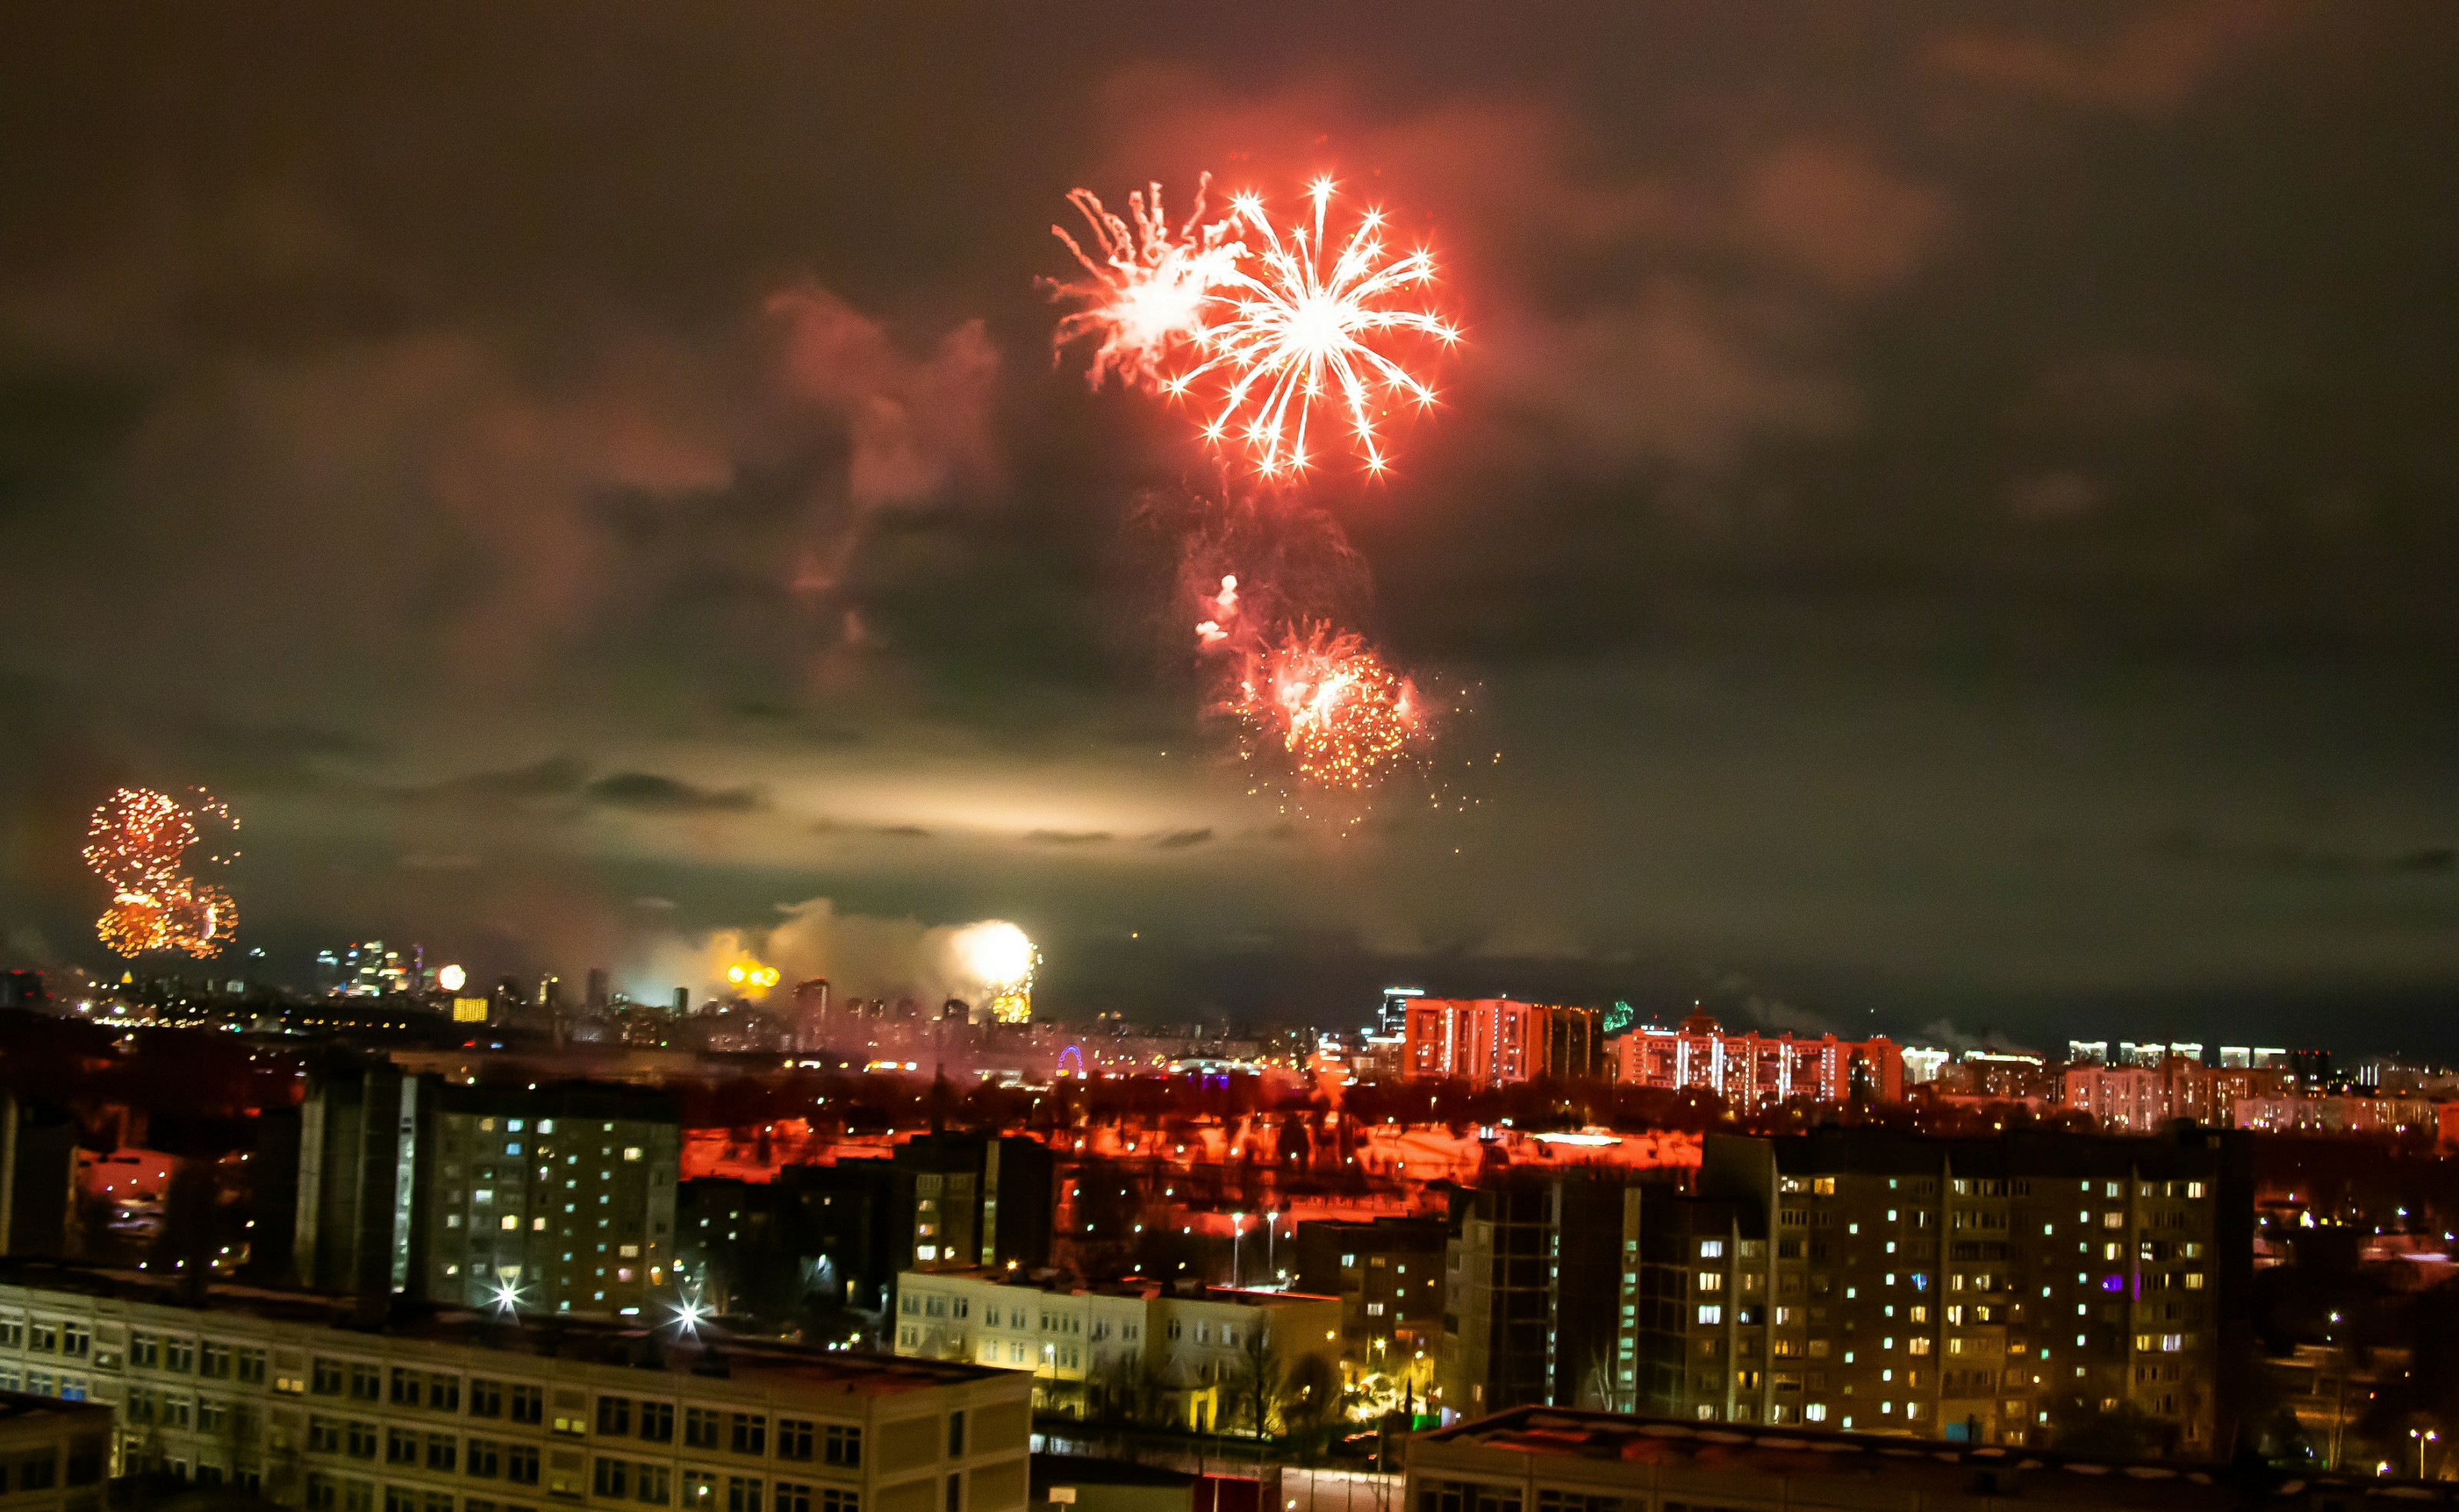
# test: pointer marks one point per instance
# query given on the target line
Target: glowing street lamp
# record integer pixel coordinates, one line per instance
(689, 1314)
(1271, 1237)
(1237, 1231)
(508, 1298)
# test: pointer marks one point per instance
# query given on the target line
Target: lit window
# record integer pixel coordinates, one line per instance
(1712, 1314)
(632, 1153)
(512, 1221)
(1712, 1249)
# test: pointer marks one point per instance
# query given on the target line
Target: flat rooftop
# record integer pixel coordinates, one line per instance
(626, 1342)
(18, 1407)
(1132, 1285)
(1921, 1464)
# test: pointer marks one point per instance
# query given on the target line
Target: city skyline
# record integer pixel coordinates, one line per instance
(1941, 515)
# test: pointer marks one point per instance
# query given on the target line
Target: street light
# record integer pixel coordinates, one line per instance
(1237, 1231)
(1272, 1237)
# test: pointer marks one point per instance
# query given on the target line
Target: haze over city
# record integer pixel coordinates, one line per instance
(1937, 519)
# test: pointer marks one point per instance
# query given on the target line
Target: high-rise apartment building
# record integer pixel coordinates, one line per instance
(2134, 1098)
(563, 1195)
(1961, 1289)
(1388, 1277)
(1494, 1040)
(1531, 1282)
(560, 1196)
(1753, 1070)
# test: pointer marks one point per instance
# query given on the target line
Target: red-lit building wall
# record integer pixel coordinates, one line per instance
(1753, 1070)
(1493, 1040)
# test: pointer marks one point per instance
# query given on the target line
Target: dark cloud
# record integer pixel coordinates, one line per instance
(1070, 837)
(649, 793)
(1899, 460)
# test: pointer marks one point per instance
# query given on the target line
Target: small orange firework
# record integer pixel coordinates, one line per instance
(1343, 716)
(1308, 325)
(1144, 298)
(138, 844)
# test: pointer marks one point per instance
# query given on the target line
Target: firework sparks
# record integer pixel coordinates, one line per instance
(1145, 296)
(139, 844)
(1308, 324)
(1344, 718)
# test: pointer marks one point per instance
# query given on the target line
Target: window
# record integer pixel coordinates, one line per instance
(842, 1446)
(441, 1451)
(76, 1342)
(700, 1428)
(144, 1350)
(486, 1398)
(44, 1339)
(751, 1435)
(791, 1498)
(657, 1421)
(358, 1441)
(405, 1388)
(614, 1418)
(613, 1478)
(250, 1366)
(956, 1434)
(401, 1447)
(1712, 1314)
(741, 1494)
(1712, 1281)
(181, 1354)
(324, 1434)
(486, 1458)
(529, 1406)
(366, 1384)
(444, 1393)
(794, 1441)
(522, 1465)
(1712, 1249)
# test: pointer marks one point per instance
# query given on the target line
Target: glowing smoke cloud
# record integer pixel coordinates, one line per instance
(139, 844)
(1305, 325)
(1145, 297)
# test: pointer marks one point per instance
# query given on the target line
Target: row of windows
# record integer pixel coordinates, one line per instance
(330, 1494)
(741, 1432)
(44, 1336)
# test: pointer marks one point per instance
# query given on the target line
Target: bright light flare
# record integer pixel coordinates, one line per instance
(139, 844)
(1145, 296)
(1298, 323)
(751, 976)
(689, 1315)
(451, 979)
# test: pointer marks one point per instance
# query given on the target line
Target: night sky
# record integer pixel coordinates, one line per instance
(1947, 512)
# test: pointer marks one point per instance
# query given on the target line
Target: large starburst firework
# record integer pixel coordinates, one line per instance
(1145, 296)
(1297, 322)
(1340, 714)
(137, 843)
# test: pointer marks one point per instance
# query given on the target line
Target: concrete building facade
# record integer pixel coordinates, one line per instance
(1974, 1291)
(278, 1395)
(1190, 1352)
(1753, 1070)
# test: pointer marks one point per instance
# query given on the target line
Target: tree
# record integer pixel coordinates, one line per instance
(1254, 1379)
